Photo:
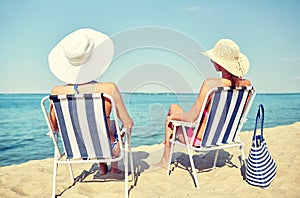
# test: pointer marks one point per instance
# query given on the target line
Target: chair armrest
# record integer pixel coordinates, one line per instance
(182, 123)
(126, 131)
(51, 133)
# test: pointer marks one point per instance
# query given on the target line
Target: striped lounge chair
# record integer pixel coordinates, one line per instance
(228, 110)
(84, 132)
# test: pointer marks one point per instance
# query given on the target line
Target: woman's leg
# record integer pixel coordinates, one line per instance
(116, 149)
(166, 153)
(116, 152)
(173, 110)
(103, 168)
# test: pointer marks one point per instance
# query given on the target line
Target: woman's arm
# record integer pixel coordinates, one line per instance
(120, 107)
(206, 86)
(52, 118)
(195, 110)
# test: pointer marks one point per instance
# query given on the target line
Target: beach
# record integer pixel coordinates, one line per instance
(34, 178)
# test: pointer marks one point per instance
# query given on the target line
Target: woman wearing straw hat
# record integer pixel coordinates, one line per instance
(78, 60)
(233, 65)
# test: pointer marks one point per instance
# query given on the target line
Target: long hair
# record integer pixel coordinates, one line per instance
(236, 81)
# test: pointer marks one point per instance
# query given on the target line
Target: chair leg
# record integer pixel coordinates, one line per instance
(71, 171)
(54, 178)
(243, 156)
(131, 165)
(193, 167)
(131, 159)
(216, 158)
(126, 168)
(170, 156)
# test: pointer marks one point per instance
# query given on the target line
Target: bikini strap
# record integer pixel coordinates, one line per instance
(76, 88)
(76, 85)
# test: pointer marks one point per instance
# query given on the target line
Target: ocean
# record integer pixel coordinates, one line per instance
(23, 128)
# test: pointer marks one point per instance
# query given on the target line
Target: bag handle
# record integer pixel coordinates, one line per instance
(259, 117)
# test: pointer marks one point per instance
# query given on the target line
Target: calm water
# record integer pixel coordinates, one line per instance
(23, 129)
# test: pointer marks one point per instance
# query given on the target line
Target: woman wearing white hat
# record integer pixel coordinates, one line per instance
(233, 65)
(78, 60)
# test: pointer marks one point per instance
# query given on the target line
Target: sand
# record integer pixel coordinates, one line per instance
(34, 178)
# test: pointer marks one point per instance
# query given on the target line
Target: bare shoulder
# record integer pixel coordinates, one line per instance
(107, 84)
(60, 89)
(106, 87)
(216, 82)
(222, 82)
(246, 82)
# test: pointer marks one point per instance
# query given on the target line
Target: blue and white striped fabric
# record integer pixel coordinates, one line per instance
(82, 125)
(261, 167)
(228, 109)
(225, 115)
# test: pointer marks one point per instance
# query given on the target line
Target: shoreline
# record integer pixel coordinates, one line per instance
(21, 180)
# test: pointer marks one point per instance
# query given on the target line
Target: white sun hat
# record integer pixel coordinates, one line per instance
(82, 56)
(227, 54)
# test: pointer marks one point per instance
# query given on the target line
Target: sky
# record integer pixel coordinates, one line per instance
(157, 43)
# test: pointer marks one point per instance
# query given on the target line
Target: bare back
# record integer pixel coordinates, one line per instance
(105, 87)
(206, 86)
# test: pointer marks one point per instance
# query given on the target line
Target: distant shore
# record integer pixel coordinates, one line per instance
(34, 178)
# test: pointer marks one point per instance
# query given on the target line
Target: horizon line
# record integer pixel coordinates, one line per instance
(11, 93)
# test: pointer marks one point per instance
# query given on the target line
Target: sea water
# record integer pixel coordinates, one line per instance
(23, 128)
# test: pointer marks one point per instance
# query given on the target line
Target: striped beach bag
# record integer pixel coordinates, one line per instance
(261, 167)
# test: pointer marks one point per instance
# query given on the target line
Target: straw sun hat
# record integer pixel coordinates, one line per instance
(81, 56)
(227, 54)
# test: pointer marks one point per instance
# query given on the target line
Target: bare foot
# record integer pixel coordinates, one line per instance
(103, 168)
(163, 163)
(115, 170)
